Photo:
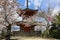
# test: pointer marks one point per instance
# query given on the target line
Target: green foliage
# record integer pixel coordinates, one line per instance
(58, 18)
(45, 34)
(55, 33)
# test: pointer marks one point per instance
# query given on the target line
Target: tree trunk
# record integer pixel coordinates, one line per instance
(8, 32)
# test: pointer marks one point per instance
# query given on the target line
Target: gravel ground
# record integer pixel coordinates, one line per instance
(29, 38)
(24, 36)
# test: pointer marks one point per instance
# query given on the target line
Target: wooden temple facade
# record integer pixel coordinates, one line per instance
(27, 13)
(27, 27)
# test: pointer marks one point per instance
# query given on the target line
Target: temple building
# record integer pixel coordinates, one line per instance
(30, 19)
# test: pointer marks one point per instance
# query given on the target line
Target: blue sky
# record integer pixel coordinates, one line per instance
(22, 2)
(43, 4)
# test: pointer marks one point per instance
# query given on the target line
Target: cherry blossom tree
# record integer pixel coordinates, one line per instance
(47, 15)
(8, 15)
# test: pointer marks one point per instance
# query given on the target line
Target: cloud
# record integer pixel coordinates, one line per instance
(55, 11)
(37, 3)
(29, 2)
(25, 3)
(56, 2)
